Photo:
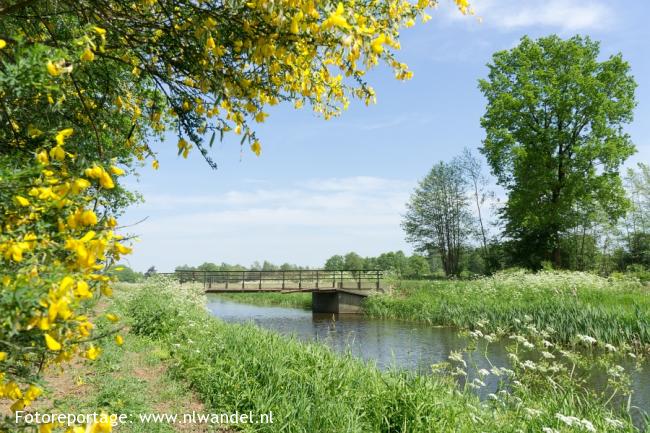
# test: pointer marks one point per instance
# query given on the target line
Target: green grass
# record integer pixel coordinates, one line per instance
(292, 300)
(309, 388)
(612, 311)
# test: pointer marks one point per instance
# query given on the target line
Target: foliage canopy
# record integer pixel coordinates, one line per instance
(554, 137)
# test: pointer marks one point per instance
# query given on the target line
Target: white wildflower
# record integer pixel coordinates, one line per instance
(614, 423)
(586, 339)
(458, 357)
(528, 364)
(533, 413)
(476, 334)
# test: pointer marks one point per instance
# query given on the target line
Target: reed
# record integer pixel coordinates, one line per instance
(616, 312)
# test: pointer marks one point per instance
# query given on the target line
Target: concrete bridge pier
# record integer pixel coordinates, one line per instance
(337, 302)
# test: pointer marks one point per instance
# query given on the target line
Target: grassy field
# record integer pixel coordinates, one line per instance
(572, 305)
(309, 388)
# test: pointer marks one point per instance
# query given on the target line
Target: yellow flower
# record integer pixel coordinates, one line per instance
(209, 44)
(33, 132)
(88, 218)
(106, 181)
(62, 135)
(119, 340)
(52, 69)
(32, 393)
(42, 157)
(184, 147)
(112, 317)
(44, 324)
(57, 153)
(122, 249)
(82, 290)
(18, 405)
(155, 164)
(295, 21)
(100, 31)
(46, 428)
(117, 171)
(261, 116)
(93, 353)
(463, 5)
(256, 147)
(51, 343)
(3, 43)
(94, 172)
(377, 44)
(3, 356)
(336, 19)
(22, 201)
(79, 185)
(103, 425)
(88, 55)
(65, 284)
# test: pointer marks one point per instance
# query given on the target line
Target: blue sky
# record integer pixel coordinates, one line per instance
(328, 187)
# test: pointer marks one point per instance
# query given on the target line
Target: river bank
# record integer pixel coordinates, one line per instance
(309, 388)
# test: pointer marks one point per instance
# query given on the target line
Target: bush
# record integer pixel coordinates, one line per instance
(156, 310)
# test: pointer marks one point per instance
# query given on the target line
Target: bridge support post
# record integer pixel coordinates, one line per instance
(336, 302)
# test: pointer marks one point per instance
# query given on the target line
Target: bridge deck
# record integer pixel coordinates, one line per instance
(312, 280)
(355, 291)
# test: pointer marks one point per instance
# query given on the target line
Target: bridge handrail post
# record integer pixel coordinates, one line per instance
(260, 288)
(360, 272)
(300, 279)
(283, 279)
(316, 279)
(243, 280)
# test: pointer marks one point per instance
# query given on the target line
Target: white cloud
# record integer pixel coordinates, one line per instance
(301, 223)
(561, 15)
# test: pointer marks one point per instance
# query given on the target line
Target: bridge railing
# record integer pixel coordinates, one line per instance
(312, 279)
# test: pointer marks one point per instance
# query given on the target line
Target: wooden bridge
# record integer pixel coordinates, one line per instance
(337, 291)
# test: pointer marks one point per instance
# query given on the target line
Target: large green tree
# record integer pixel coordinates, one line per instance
(555, 139)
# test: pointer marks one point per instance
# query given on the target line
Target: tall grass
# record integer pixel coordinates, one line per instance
(309, 388)
(612, 311)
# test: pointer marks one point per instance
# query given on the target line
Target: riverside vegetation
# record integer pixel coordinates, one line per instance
(310, 388)
(613, 310)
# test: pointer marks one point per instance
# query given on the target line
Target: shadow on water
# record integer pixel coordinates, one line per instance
(396, 344)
